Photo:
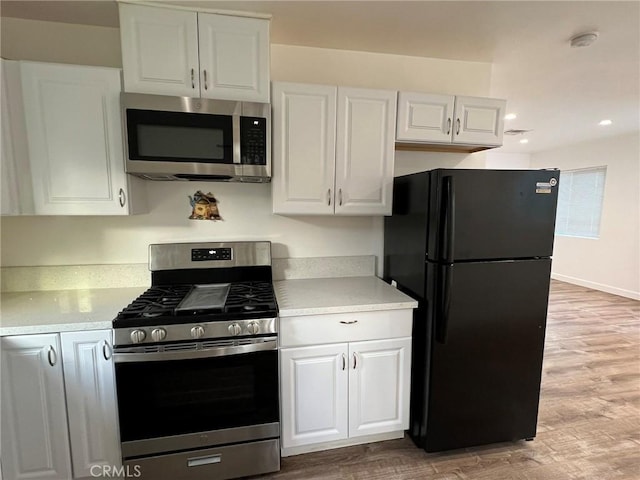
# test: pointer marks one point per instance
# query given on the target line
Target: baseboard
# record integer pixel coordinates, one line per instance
(597, 286)
(347, 442)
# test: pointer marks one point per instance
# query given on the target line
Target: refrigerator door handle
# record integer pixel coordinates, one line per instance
(445, 304)
(449, 219)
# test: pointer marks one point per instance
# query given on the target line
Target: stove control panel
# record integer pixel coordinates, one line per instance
(195, 331)
(208, 254)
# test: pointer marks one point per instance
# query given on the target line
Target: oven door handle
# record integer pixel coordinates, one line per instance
(222, 351)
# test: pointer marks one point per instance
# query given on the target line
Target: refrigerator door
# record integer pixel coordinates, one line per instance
(488, 321)
(491, 214)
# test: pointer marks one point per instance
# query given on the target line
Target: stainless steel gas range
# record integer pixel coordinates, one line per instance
(197, 365)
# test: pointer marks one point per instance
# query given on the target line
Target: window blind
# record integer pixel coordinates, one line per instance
(580, 197)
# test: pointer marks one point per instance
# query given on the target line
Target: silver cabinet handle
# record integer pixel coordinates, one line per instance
(193, 82)
(122, 197)
(355, 360)
(457, 126)
(344, 362)
(51, 356)
(206, 86)
(350, 322)
(106, 350)
(340, 196)
(329, 197)
(449, 126)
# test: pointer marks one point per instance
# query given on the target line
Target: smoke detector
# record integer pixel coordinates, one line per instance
(584, 39)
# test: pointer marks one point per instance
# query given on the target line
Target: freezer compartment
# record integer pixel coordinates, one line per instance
(491, 214)
(487, 323)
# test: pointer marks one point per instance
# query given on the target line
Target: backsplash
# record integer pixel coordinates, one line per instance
(73, 277)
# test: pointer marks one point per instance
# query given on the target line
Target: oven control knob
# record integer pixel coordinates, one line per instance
(138, 336)
(197, 331)
(253, 328)
(235, 329)
(158, 334)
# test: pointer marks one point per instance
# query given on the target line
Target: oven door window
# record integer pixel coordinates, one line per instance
(157, 399)
(179, 137)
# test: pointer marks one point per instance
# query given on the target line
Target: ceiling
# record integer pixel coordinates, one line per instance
(558, 92)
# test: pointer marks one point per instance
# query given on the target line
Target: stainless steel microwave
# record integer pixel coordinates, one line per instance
(183, 138)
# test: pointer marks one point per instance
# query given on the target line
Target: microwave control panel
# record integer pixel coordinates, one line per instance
(253, 140)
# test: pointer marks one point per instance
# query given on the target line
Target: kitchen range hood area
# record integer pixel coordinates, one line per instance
(374, 297)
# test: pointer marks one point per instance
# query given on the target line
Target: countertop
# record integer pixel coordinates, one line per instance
(317, 296)
(52, 311)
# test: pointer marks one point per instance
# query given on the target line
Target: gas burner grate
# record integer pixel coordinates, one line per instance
(155, 301)
(250, 296)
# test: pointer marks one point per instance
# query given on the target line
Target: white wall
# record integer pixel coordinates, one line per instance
(245, 208)
(612, 262)
(507, 161)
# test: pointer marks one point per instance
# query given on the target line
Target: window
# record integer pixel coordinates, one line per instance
(580, 202)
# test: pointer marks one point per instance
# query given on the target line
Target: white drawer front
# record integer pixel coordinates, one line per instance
(345, 327)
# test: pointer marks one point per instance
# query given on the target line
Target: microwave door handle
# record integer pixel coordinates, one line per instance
(235, 123)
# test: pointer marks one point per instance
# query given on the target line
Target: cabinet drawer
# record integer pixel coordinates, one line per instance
(345, 327)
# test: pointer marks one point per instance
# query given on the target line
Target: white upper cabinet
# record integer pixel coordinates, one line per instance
(91, 400)
(332, 150)
(447, 120)
(234, 57)
(424, 117)
(159, 50)
(194, 54)
(304, 148)
(34, 414)
(14, 161)
(365, 151)
(74, 137)
(479, 121)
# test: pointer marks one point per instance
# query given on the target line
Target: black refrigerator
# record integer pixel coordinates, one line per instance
(474, 248)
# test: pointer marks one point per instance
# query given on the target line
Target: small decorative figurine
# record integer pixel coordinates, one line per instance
(204, 207)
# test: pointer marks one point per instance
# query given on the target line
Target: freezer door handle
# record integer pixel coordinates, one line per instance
(445, 303)
(447, 225)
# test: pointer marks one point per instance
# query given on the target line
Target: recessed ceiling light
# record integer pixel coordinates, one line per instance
(605, 122)
(584, 39)
(524, 140)
(510, 116)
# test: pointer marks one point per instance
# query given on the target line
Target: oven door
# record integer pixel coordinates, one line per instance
(196, 395)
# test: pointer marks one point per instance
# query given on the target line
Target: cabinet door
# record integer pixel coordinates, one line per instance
(379, 379)
(304, 132)
(15, 177)
(34, 416)
(234, 57)
(424, 117)
(314, 404)
(365, 138)
(159, 50)
(91, 400)
(479, 121)
(75, 140)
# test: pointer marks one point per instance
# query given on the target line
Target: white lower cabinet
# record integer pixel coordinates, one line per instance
(34, 415)
(91, 400)
(58, 405)
(379, 383)
(344, 393)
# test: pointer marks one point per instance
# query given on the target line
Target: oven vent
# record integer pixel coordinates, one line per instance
(180, 347)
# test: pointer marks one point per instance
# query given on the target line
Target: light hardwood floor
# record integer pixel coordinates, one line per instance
(589, 419)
